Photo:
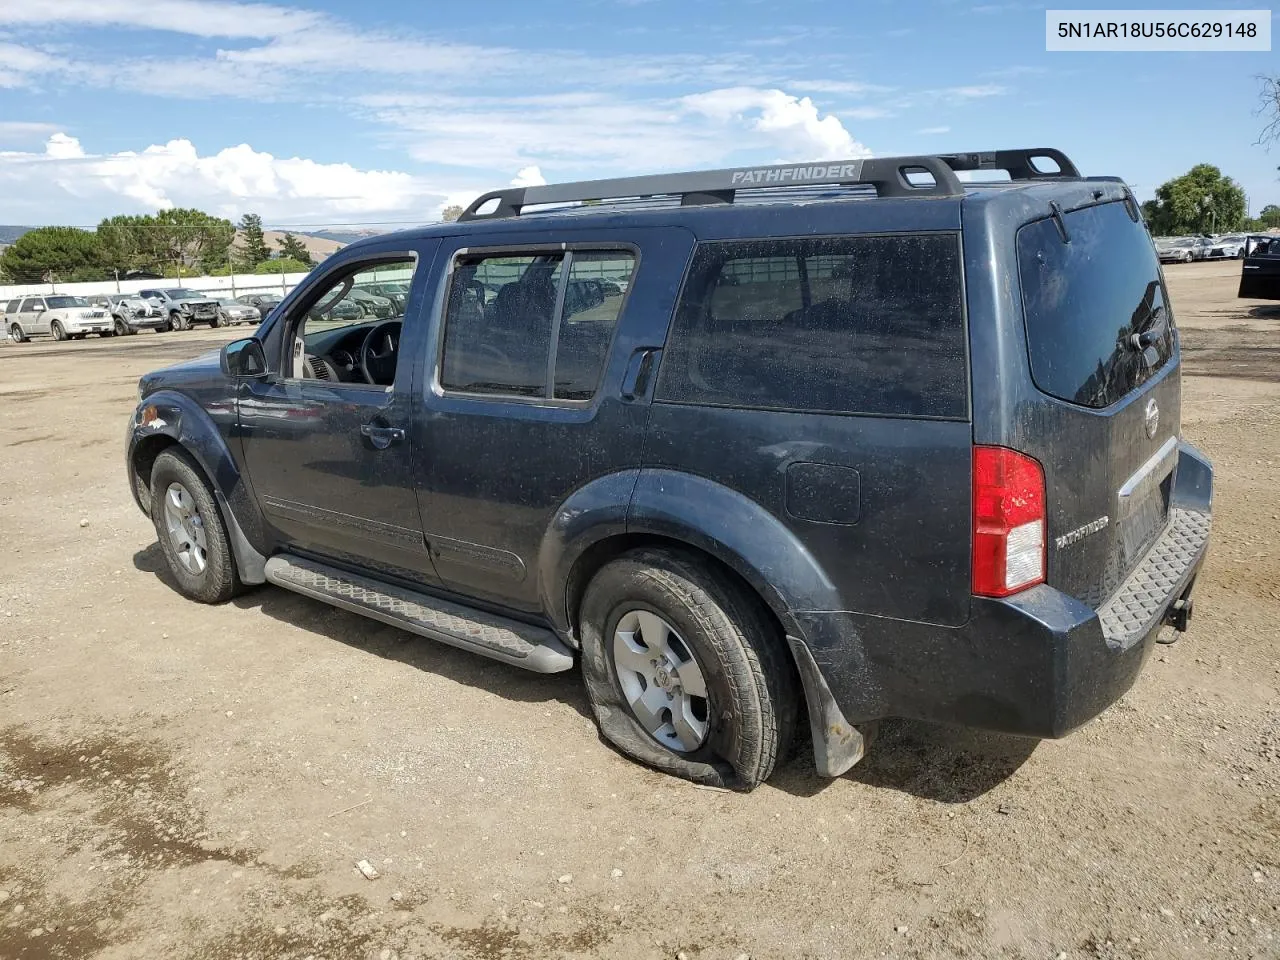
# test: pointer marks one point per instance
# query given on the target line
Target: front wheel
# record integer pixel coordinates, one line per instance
(1187, 257)
(190, 529)
(58, 332)
(121, 328)
(685, 670)
(176, 322)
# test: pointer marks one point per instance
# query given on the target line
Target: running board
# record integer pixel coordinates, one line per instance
(519, 644)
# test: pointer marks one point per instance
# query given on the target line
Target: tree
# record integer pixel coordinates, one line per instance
(1268, 218)
(53, 253)
(1202, 200)
(253, 246)
(291, 248)
(176, 239)
(1270, 110)
(451, 213)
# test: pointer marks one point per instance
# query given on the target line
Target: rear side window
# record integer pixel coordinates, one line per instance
(870, 325)
(12, 306)
(1098, 322)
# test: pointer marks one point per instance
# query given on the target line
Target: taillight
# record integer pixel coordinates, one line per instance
(1008, 522)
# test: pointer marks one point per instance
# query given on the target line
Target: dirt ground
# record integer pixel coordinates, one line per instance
(187, 781)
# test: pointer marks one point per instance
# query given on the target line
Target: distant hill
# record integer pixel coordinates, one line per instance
(341, 236)
(8, 234)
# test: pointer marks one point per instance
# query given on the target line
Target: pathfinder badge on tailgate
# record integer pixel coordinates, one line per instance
(1079, 533)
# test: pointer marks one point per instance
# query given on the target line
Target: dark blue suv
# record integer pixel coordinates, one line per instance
(844, 440)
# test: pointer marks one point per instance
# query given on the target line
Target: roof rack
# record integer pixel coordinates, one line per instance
(890, 176)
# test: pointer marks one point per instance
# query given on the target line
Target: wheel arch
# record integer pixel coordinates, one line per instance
(166, 420)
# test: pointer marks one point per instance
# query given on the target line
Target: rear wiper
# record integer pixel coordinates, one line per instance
(1156, 328)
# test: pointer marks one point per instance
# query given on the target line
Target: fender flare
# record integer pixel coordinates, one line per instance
(185, 422)
(740, 533)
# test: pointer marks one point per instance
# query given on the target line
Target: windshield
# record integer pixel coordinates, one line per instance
(61, 303)
(180, 294)
(1097, 318)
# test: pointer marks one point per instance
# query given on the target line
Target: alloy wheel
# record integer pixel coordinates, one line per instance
(186, 529)
(661, 680)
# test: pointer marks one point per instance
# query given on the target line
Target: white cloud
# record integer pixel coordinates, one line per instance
(68, 184)
(933, 131)
(792, 123)
(529, 177)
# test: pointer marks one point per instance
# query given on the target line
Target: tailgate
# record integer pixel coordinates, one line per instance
(1104, 359)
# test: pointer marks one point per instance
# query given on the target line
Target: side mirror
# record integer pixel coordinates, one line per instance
(243, 359)
(37, 308)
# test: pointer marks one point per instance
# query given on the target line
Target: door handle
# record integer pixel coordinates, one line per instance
(381, 437)
(636, 380)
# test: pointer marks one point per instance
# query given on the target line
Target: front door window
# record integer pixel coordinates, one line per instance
(349, 330)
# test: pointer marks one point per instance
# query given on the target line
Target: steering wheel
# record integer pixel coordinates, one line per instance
(378, 353)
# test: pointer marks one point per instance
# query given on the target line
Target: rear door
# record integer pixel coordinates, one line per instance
(1103, 415)
(526, 396)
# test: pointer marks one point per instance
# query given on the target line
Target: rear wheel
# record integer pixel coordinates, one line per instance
(17, 334)
(685, 671)
(58, 332)
(190, 529)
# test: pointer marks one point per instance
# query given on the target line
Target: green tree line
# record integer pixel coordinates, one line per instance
(169, 243)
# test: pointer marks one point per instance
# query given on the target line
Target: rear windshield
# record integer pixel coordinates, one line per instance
(870, 325)
(1098, 323)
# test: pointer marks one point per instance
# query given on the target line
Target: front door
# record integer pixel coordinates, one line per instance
(530, 391)
(1260, 272)
(327, 438)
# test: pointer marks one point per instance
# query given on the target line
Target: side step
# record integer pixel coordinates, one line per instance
(519, 644)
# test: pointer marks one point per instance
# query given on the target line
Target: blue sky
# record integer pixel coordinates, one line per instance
(382, 112)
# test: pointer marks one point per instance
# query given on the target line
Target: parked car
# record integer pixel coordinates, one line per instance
(60, 316)
(372, 304)
(1229, 247)
(397, 293)
(183, 308)
(131, 313)
(824, 460)
(236, 311)
(265, 302)
(1260, 271)
(1182, 249)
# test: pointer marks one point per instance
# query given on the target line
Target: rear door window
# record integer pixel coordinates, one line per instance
(535, 325)
(1097, 316)
(868, 325)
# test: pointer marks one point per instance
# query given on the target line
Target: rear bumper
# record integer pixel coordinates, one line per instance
(1037, 664)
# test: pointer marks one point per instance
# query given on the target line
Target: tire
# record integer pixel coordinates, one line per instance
(1187, 257)
(750, 708)
(176, 322)
(18, 335)
(58, 332)
(121, 328)
(207, 572)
